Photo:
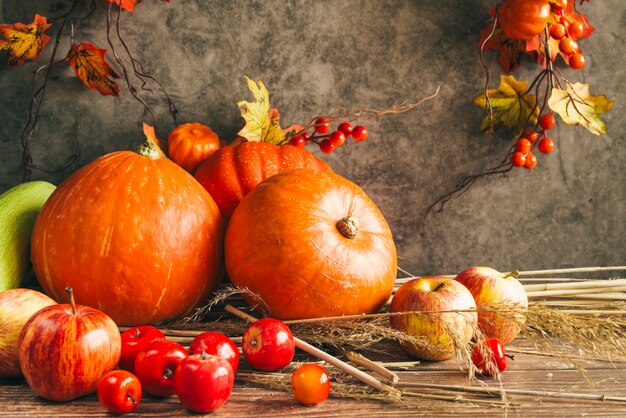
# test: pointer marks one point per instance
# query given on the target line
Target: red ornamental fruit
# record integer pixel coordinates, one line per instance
(577, 61)
(557, 31)
(547, 121)
(64, 350)
(337, 138)
(488, 357)
(133, 341)
(359, 133)
(518, 159)
(310, 384)
(297, 141)
(523, 19)
(321, 226)
(216, 344)
(546, 145)
(321, 126)
(345, 128)
(575, 29)
(523, 145)
(134, 235)
(567, 46)
(326, 146)
(232, 172)
(531, 161)
(119, 391)
(203, 382)
(268, 345)
(156, 364)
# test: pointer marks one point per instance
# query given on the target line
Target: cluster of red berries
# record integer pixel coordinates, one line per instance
(566, 32)
(327, 140)
(523, 155)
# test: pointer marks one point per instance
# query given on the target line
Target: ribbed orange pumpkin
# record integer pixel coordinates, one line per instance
(233, 171)
(523, 19)
(191, 143)
(311, 244)
(134, 235)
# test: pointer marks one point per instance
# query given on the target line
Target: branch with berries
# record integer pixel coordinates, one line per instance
(547, 32)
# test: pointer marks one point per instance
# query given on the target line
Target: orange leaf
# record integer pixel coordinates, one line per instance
(89, 65)
(24, 42)
(126, 4)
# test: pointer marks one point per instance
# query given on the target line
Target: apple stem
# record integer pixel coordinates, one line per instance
(513, 273)
(204, 355)
(136, 332)
(132, 398)
(72, 301)
(168, 373)
(511, 356)
(440, 286)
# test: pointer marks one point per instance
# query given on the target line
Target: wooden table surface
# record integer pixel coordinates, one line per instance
(527, 371)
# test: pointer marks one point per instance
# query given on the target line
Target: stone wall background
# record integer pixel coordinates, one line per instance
(316, 56)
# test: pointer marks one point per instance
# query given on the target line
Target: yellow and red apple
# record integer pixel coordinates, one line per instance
(500, 299)
(446, 319)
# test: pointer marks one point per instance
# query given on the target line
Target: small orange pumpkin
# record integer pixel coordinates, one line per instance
(191, 143)
(134, 235)
(523, 19)
(311, 244)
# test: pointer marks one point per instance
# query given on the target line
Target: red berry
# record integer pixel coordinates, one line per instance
(359, 133)
(577, 61)
(518, 159)
(531, 161)
(547, 121)
(533, 137)
(528, 133)
(575, 29)
(337, 138)
(546, 145)
(310, 384)
(557, 31)
(297, 141)
(567, 46)
(488, 356)
(523, 145)
(326, 147)
(345, 128)
(306, 136)
(321, 125)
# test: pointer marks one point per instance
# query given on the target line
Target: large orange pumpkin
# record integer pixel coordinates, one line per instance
(311, 244)
(523, 19)
(134, 235)
(233, 171)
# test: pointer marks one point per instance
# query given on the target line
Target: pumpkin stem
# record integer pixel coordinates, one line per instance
(149, 148)
(348, 226)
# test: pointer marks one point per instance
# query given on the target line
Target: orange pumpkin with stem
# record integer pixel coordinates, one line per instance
(311, 244)
(134, 235)
(523, 19)
(191, 143)
(233, 171)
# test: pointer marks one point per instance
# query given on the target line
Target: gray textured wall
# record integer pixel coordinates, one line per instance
(318, 55)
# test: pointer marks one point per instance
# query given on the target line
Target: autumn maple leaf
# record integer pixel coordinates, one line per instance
(24, 42)
(262, 122)
(89, 65)
(510, 51)
(129, 4)
(577, 106)
(511, 106)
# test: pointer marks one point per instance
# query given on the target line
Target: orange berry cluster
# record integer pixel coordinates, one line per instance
(327, 140)
(523, 155)
(566, 32)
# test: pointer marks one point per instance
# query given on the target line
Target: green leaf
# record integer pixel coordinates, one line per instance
(262, 122)
(577, 107)
(511, 106)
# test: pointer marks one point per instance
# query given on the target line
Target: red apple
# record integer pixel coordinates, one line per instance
(155, 366)
(119, 391)
(133, 341)
(268, 345)
(16, 307)
(66, 349)
(217, 344)
(501, 301)
(203, 382)
(439, 333)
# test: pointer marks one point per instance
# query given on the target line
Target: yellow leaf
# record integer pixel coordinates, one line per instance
(577, 107)
(511, 106)
(262, 122)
